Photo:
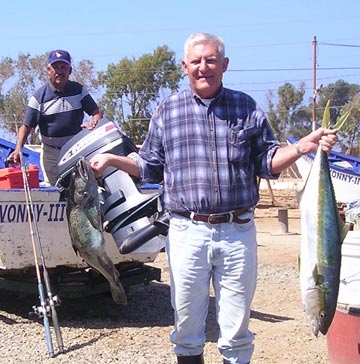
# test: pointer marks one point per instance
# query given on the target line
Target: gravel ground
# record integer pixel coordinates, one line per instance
(95, 330)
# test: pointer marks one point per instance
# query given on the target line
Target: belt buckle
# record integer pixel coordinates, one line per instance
(212, 219)
(226, 217)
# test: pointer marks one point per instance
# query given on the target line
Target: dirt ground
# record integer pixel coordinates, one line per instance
(97, 331)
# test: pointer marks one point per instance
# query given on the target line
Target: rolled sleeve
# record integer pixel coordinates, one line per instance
(149, 172)
(269, 157)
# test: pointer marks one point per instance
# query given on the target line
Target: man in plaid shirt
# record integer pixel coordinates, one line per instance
(208, 144)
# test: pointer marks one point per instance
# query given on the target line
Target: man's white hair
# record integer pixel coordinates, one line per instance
(203, 38)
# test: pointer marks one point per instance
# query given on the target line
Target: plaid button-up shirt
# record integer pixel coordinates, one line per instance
(208, 157)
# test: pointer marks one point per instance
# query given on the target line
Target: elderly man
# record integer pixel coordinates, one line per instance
(208, 144)
(57, 108)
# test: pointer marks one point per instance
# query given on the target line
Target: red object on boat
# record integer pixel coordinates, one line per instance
(12, 177)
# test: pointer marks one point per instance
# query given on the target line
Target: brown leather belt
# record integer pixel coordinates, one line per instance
(220, 218)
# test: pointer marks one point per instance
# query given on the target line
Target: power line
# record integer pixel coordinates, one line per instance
(293, 69)
(340, 45)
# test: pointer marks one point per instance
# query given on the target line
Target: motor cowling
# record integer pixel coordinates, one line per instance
(132, 213)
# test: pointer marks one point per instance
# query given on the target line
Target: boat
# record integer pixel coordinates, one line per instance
(135, 227)
(344, 171)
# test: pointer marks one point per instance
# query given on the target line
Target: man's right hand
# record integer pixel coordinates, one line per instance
(13, 157)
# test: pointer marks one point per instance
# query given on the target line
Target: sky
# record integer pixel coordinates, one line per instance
(269, 43)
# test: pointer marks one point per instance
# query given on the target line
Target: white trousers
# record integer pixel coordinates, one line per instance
(226, 254)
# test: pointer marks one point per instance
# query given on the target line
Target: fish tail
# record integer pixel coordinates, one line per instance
(118, 293)
(117, 290)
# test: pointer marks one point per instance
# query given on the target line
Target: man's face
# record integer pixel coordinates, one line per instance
(205, 66)
(59, 73)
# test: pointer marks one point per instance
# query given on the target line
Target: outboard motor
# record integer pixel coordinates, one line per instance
(131, 213)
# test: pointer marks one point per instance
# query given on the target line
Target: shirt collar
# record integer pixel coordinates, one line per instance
(199, 100)
(56, 90)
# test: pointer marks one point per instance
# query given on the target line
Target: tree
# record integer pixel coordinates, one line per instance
(133, 89)
(272, 114)
(6, 72)
(350, 132)
(15, 97)
(283, 117)
(291, 117)
(84, 73)
(340, 93)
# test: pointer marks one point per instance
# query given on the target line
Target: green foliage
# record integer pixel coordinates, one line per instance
(283, 117)
(84, 73)
(350, 132)
(292, 117)
(272, 115)
(340, 93)
(14, 98)
(133, 88)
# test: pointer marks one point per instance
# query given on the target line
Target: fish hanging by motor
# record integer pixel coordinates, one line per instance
(322, 233)
(85, 226)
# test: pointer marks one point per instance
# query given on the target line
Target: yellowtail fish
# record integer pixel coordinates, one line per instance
(322, 233)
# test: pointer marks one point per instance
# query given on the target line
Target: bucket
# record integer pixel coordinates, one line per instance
(343, 337)
(349, 289)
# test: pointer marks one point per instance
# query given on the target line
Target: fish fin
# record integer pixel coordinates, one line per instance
(342, 119)
(339, 122)
(318, 278)
(326, 116)
(76, 250)
(315, 273)
(344, 228)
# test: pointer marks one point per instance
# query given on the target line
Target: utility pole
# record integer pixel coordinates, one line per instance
(314, 43)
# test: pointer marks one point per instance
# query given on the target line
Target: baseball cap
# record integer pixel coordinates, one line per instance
(59, 55)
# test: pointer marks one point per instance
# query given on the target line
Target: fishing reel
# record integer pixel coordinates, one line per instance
(45, 308)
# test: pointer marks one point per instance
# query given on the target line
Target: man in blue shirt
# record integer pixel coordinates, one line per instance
(208, 144)
(57, 108)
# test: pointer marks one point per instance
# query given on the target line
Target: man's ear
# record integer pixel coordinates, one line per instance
(70, 70)
(225, 64)
(184, 66)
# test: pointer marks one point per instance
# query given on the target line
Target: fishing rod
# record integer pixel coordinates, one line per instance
(47, 304)
(41, 311)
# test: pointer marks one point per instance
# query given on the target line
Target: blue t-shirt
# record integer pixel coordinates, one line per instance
(59, 115)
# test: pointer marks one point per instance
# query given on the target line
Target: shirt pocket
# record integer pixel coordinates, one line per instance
(239, 145)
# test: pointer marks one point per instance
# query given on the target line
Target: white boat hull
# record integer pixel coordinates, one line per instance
(344, 171)
(346, 184)
(16, 247)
